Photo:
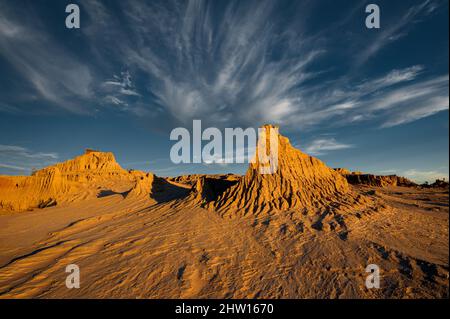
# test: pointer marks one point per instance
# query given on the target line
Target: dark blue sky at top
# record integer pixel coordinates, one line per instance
(371, 100)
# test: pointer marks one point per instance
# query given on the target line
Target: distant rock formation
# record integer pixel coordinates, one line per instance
(439, 183)
(76, 179)
(342, 171)
(300, 181)
(358, 178)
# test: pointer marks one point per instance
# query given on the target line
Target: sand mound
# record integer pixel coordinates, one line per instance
(300, 181)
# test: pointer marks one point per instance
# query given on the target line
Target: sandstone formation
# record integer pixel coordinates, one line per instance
(439, 183)
(342, 171)
(359, 178)
(86, 176)
(301, 232)
(300, 181)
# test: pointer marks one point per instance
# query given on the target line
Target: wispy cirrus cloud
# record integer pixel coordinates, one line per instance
(13, 167)
(11, 109)
(121, 84)
(51, 72)
(241, 81)
(396, 29)
(322, 146)
(118, 90)
(221, 66)
(421, 176)
(235, 63)
(18, 158)
(396, 98)
(19, 151)
(214, 64)
(415, 102)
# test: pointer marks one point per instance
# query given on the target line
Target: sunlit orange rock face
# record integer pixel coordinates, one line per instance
(72, 180)
(299, 181)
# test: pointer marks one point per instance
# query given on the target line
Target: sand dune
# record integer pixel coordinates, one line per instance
(304, 232)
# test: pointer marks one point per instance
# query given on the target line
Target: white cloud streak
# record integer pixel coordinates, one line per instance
(215, 65)
(322, 146)
(13, 167)
(221, 72)
(396, 98)
(395, 30)
(18, 158)
(52, 72)
(421, 176)
(234, 63)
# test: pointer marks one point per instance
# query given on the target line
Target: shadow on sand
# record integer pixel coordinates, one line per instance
(109, 192)
(162, 191)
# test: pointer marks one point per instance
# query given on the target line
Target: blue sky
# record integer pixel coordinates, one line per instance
(374, 100)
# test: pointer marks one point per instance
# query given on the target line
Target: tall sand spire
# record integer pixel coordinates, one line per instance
(299, 181)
